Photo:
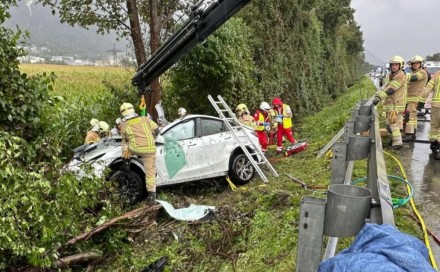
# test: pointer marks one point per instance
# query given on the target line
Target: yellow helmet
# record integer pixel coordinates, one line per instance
(103, 126)
(126, 108)
(415, 59)
(242, 107)
(397, 59)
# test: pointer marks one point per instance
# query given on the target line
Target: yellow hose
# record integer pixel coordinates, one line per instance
(425, 232)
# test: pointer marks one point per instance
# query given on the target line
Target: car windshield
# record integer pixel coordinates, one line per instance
(182, 131)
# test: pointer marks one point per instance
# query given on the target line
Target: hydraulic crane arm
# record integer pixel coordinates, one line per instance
(202, 23)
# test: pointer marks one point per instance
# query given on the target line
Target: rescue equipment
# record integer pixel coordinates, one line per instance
(296, 148)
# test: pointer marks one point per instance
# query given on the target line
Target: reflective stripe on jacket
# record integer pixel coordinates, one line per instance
(137, 135)
(287, 121)
(259, 119)
(433, 84)
(416, 87)
(396, 101)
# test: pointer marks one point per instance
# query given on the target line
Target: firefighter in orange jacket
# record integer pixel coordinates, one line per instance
(434, 132)
(262, 122)
(284, 120)
(138, 138)
(417, 80)
(393, 97)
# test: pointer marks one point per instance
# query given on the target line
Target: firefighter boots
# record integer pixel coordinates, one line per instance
(151, 198)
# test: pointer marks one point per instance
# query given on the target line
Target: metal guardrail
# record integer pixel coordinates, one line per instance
(347, 207)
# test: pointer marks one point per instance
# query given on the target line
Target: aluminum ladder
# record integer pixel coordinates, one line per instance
(225, 113)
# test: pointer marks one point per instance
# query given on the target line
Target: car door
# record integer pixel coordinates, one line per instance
(177, 157)
(217, 143)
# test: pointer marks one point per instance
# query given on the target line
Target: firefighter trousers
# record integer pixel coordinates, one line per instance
(149, 160)
(394, 120)
(434, 132)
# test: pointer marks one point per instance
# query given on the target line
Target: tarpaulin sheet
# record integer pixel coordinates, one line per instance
(381, 248)
(191, 213)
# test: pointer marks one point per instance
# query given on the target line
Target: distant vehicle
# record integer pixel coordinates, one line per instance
(194, 147)
(432, 66)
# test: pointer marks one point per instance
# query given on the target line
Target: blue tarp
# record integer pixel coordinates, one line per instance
(381, 248)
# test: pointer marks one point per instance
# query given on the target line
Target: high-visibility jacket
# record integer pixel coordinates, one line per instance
(260, 118)
(434, 83)
(92, 137)
(286, 112)
(415, 87)
(396, 101)
(137, 135)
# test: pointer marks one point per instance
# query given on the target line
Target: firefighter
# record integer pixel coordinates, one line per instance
(284, 120)
(138, 134)
(434, 133)
(181, 112)
(99, 130)
(262, 123)
(393, 97)
(244, 116)
(417, 80)
(116, 130)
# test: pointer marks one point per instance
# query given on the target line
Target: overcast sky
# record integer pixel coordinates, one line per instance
(399, 27)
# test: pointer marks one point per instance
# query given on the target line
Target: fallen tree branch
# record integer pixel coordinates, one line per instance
(302, 183)
(85, 257)
(129, 215)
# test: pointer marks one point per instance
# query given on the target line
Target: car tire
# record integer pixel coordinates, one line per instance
(131, 187)
(242, 170)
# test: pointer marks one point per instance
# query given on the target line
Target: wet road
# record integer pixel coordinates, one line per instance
(423, 172)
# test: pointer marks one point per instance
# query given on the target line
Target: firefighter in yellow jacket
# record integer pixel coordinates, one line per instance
(393, 97)
(244, 117)
(417, 80)
(434, 133)
(138, 138)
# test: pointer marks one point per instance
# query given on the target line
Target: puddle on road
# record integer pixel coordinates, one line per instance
(424, 174)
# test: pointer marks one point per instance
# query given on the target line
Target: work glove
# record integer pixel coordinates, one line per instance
(392, 118)
(376, 100)
(420, 106)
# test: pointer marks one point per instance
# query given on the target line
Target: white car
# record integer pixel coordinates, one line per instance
(194, 147)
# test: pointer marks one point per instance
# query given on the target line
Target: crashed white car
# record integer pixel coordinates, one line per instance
(194, 147)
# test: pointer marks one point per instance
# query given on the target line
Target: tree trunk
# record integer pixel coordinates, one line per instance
(155, 96)
(135, 32)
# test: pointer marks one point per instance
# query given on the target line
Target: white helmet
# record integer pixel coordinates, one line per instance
(181, 112)
(126, 109)
(118, 121)
(94, 122)
(264, 106)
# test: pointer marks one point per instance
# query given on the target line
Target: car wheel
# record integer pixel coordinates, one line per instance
(130, 186)
(242, 170)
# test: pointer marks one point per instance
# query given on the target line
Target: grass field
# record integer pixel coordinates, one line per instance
(81, 80)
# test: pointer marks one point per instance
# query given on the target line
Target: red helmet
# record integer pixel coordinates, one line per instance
(277, 101)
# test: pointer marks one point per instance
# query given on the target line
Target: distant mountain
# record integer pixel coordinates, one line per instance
(373, 59)
(47, 30)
